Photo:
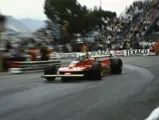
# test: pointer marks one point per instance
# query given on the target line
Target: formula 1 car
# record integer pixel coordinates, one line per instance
(90, 68)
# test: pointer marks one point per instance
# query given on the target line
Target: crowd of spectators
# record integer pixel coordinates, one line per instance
(22, 48)
(123, 32)
(128, 29)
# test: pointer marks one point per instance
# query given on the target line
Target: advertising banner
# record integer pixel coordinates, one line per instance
(131, 52)
(137, 52)
(118, 52)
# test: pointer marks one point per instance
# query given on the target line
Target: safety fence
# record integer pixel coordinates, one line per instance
(58, 58)
(123, 53)
(23, 67)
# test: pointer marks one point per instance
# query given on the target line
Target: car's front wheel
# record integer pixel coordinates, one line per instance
(50, 70)
(95, 71)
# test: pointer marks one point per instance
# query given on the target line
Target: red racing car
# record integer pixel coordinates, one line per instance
(90, 68)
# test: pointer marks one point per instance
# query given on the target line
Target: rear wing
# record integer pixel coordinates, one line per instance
(101, 56)
(98, 54)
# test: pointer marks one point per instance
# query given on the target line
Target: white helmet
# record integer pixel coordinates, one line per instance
(81, 55)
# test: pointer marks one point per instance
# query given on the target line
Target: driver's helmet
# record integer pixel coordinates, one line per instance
(82, 57)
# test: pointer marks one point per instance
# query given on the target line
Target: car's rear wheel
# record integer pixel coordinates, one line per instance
(95, 71)
(116, 66)
(49, 70)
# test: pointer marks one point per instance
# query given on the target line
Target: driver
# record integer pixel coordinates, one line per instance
(82, 57)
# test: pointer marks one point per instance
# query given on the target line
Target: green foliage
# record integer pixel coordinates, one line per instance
(80, 18)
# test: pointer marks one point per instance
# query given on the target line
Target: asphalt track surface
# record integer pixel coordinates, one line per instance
(129, 96)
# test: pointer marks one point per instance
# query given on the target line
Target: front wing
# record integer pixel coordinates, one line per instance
(62, 75)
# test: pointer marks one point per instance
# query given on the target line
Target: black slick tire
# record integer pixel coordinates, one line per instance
(95, 71)
(49, 70)
(116, 66)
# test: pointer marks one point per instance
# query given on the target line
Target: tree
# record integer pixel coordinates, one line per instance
(2, 21)
(79, 18)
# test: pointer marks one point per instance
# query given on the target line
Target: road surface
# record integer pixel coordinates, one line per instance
(129, 96)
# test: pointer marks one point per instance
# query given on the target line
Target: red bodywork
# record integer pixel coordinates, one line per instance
(85, 66)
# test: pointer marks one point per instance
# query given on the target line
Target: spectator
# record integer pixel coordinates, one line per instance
(8, 46)
(44, 52)
(32, 53)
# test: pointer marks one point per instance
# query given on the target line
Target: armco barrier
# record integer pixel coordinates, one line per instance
(124, 53)
(22, 67)
(8, 60)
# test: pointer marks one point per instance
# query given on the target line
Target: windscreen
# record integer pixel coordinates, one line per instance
(74, 62)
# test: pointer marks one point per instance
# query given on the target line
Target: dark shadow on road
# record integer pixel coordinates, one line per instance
(60, 82)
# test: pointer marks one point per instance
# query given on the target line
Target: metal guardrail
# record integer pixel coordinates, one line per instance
(21, 67)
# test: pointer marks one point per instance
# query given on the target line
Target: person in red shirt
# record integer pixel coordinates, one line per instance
(155, 48)
(33, 53)
(44, 52)
(84, 48)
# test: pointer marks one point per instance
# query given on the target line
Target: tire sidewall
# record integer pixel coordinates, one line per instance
(95, 71)
(116, 66)
(48, 70)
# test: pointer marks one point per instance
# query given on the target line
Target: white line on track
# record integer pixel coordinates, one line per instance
(154, 115)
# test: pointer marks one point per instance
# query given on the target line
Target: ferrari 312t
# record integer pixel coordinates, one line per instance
(89, 68)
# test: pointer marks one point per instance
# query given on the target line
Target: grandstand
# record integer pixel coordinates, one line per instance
(139, 22)
(144, 20)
